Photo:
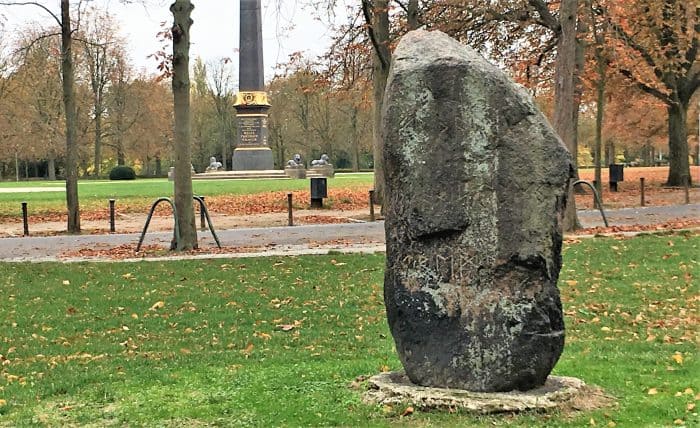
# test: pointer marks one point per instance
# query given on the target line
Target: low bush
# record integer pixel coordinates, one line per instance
(122, 172)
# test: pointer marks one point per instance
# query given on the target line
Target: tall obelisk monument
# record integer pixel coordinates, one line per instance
(252, 151)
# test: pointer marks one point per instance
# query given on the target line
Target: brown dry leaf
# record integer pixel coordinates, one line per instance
(652, 391)
(677, 357)
(408, 411)
(612, 424)
(678, 422)
(285, 327)
(690, 407)
(384, 368)
(249, 348)
(66, 282)
(158, 305)
(185, 351)
(3, 402)
(571, 282)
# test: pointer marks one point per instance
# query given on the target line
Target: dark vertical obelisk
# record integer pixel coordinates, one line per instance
(252, 151)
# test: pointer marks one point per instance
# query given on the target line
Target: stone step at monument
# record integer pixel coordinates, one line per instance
(313, 174)
(230, 175)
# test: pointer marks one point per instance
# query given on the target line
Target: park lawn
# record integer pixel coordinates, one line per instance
(139, 194)
(276, 341)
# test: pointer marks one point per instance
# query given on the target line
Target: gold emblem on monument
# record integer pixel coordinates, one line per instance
(252, 98)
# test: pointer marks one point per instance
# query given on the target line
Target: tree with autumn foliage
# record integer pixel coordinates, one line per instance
(63, 20)
(38, 91)
(656, 46)
(101, 51)
(319, 107)
(525, 33)
(64, 23)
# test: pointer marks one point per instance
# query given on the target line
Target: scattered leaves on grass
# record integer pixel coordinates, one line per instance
(127, 251)
(656, 227)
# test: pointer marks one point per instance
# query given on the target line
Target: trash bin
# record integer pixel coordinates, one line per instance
(319, 190)
(616, 173)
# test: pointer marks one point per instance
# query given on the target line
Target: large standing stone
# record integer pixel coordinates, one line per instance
(475, 183)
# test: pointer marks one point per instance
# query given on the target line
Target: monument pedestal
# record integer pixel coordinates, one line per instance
(252, 159)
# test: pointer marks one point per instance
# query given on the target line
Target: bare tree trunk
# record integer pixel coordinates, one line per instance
(564, 96)
(679, 167)
(601, 68)
(377, 19)
(69, 105)
(600, 112)
(52, 167)
(182, 22)
(121, 156)
(412, 10)
(98, 144)
(355, 143)
(224, 142)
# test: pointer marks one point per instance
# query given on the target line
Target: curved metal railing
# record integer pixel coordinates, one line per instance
(203, 208)
(596, 197)
(176, 231)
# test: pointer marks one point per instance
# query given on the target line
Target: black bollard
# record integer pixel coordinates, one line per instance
(25, 219)
(641, 191)
(111, 216)
(686, 188)
(290, 221)
(371, 205)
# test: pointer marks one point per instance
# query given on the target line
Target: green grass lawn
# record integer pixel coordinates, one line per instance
(141, 193)
(276, 341)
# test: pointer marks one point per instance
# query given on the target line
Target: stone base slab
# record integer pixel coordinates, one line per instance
(253, 159)
(297, 173)
(236, 175)
(320, 171)
(395, 388)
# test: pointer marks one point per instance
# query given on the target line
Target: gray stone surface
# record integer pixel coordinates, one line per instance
(395, 388)
(475, 183)
(295, 171)
(253, 159)
(321, 171)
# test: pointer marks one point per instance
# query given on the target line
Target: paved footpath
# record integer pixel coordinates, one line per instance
(298, 239)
